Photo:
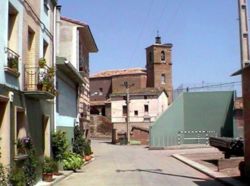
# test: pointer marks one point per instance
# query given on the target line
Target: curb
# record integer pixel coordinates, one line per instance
(57, 179)
(216, 175)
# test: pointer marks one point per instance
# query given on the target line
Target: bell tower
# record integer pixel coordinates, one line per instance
(159, 66)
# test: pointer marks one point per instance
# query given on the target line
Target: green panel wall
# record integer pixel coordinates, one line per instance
(209, 111)
(163, 131)
(69, 134)
(194, 111)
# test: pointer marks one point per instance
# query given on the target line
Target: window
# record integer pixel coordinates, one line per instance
(136, 112)
(163, 57)
(145, 108)
(46, 6)
(45, 49)
(124, 110)
(100, 91)
(150, 56)
(163, 79)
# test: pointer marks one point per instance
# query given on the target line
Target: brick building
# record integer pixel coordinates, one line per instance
(157, 76)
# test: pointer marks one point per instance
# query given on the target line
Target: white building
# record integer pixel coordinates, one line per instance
(145, 107)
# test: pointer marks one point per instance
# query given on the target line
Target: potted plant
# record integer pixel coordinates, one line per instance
(42, 62)
(39, 86)
(87, 151)
(13, 63)
(48, 169)
(45, 84)
(51, 72)
(20, 147)
(59, 146)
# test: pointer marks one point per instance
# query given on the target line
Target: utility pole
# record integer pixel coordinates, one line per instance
(244, 47)
(244, 41)
(127, 86)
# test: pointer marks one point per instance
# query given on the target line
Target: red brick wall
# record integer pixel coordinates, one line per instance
(139, 81)
(96, 84)
(155, 68)
(140, 135)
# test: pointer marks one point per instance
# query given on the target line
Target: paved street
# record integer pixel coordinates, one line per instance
(116, 165)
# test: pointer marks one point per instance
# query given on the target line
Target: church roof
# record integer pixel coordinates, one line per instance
(120, 72)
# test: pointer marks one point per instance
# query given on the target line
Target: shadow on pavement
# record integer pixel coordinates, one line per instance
(158, 171)
(208, 183)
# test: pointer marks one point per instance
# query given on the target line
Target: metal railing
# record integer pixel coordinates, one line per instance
(39, 79)
(194, 136)
(12, 59)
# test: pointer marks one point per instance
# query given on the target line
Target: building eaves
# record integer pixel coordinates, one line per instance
(66, 67)
(238, 72)
(84, 27)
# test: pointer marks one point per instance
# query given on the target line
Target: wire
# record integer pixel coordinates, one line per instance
(140, 33)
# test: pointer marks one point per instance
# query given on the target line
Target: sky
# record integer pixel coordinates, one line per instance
(204, 34)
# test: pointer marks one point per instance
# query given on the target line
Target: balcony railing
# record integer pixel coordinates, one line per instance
(12, 62)
(40, 80)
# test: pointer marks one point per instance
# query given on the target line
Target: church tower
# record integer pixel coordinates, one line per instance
(159, 66)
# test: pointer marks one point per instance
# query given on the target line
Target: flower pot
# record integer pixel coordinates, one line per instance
(39, 86)
(48, 177)
(87, 158)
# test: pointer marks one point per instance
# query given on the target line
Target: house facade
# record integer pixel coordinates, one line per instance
(75, 43)
(145, 106)
(27, 34)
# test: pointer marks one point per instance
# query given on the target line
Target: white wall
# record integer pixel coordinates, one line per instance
(156, 107)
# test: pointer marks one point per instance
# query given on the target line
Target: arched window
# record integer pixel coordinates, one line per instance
(163, 57)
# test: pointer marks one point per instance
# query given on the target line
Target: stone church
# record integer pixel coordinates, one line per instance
(144, 83)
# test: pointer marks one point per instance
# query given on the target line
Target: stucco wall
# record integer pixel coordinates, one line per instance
(67, 98)
(136, 104)
(4, 11)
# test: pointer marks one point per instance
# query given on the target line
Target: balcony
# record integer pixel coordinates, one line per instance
(12, 66)
(39, 82)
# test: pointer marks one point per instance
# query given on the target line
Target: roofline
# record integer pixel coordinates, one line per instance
(166, 45)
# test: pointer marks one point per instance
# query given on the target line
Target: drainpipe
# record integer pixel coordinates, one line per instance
(56, 25)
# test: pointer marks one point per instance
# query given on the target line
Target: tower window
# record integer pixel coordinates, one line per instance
(163, 79)
(163, 57)
(150, 56)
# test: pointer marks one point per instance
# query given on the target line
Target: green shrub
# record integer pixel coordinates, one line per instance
(72, 161)
(31, 168)
(87, 148)
(17, 177)
(59, 145)
(48, 165)
(78, 143)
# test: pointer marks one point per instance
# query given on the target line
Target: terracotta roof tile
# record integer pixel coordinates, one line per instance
(120, 72)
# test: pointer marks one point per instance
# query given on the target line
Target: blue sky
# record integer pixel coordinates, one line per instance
(205, 35)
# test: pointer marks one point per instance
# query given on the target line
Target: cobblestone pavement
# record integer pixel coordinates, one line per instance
(116, 165)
